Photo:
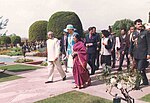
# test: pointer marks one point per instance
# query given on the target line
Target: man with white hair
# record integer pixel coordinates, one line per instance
(53, 51)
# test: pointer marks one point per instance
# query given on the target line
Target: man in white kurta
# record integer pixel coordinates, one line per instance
(53, 51)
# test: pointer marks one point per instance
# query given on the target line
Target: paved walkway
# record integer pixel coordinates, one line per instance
(33, 88)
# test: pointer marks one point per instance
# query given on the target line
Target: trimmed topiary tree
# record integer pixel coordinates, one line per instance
(59, 20)
(125, 23)
(38, 31)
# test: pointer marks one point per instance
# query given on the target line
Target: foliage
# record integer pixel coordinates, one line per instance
(146, 98)
(7, 77)
(44, 63)
(125, 23)
(4, 52)
(15, 51)
(38, 31)
(15, 39)
(5, 40)
(3, 23)
(125, 81)
(19, 68)
(59, 20)
(74, 97)
(23, 60)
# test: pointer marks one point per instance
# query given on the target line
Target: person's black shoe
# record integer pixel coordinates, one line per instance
(113, 66)
(49, 82)
(64, 78)
(120, 69)
(136, 88)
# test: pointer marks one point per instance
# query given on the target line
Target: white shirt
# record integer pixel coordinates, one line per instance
(104, 51)
(53, 49)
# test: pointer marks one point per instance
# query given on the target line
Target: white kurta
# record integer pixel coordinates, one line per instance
(53, 49)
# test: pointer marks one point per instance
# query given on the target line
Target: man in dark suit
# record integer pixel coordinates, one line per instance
(124, 46)
(98, 47)
(91, 45)
(63, 47)
(140, 47)
(113, 52)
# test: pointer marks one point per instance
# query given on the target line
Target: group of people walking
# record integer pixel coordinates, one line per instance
(77, 52)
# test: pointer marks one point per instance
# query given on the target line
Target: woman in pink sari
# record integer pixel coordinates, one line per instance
(80, 73)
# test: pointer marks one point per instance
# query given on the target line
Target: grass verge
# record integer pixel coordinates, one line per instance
(19, 67)
(74, 97)
(146, 98)
(7, 77)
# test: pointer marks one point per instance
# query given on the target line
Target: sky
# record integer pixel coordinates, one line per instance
(100, 13)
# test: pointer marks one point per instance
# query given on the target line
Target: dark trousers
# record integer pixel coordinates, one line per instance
(106, 59)
(113, 54)
(122, 58)
(97, 59)
(91, 62)
(141, 65)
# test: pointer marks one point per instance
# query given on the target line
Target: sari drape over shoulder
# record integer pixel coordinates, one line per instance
(80, 73)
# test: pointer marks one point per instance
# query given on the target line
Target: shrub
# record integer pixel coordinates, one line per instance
(59, 20)
(38, 31)
(44, 63)
(23, 60)
(4, 52)
(14, 51)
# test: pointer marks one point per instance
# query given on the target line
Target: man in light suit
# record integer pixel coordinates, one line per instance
(53, 51)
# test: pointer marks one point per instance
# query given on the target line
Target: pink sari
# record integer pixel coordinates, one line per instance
(80, 73)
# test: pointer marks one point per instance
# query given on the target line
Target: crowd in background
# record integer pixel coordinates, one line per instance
(132, 44)
(97, 50)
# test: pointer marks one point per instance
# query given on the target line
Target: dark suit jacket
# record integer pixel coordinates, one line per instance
(63, 47)
(124, 43)
(141, 48)
(93, 40)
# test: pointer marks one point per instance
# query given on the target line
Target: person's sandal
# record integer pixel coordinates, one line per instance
(75, 87)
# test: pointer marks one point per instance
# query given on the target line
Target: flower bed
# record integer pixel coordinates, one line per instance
(23, 60)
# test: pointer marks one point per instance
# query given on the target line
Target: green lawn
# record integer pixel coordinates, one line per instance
(74, 97)
(146, 98)
(19, 68)
(7, 77)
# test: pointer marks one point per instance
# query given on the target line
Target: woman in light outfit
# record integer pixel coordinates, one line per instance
(71, 43)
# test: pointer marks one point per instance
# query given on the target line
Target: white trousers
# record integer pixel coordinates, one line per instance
(70, 64)
(51, 65)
